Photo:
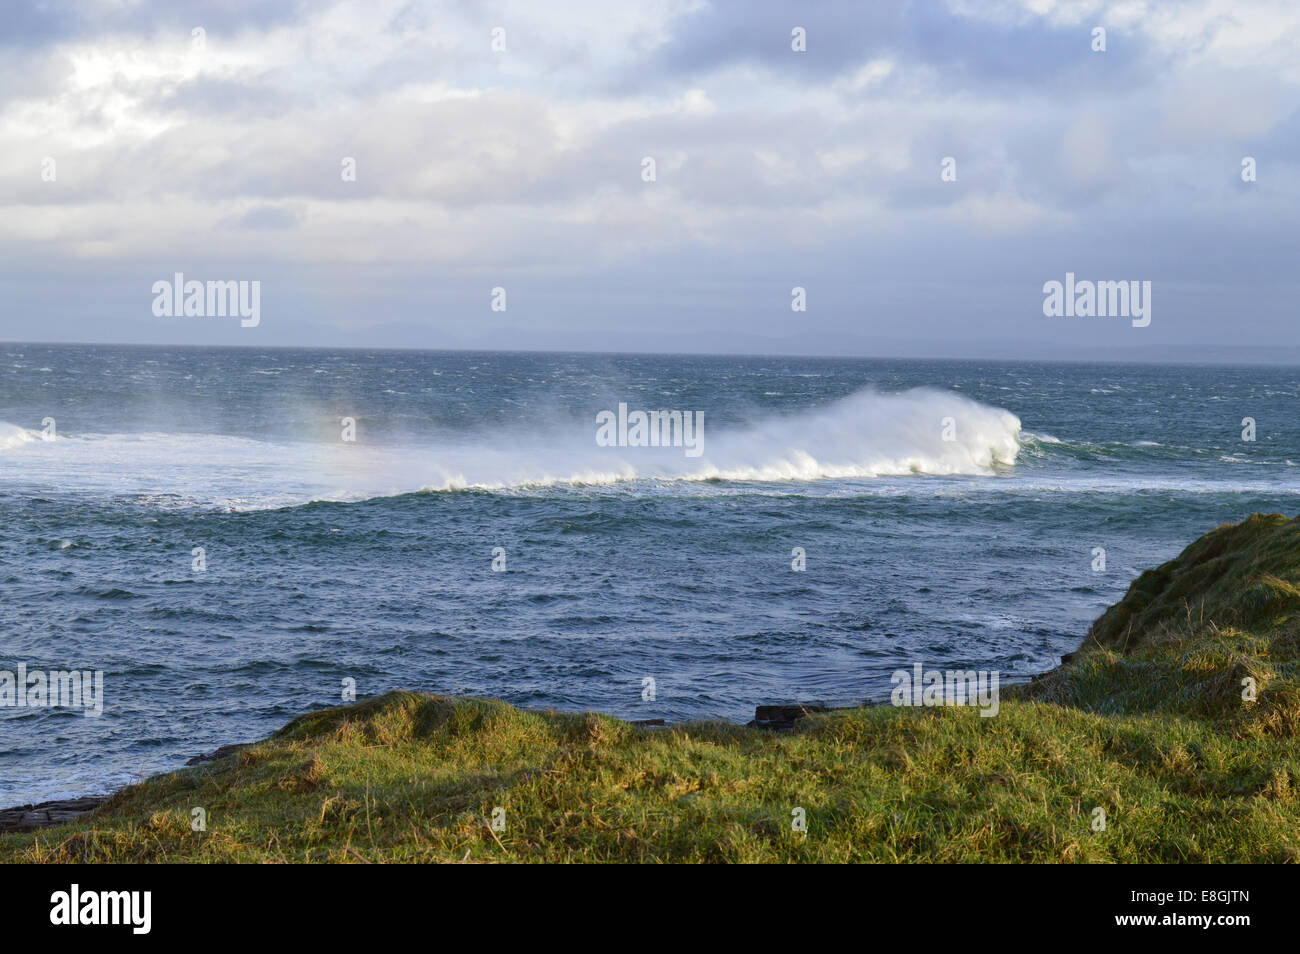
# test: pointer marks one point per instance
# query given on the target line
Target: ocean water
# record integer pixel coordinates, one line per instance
(372, 560)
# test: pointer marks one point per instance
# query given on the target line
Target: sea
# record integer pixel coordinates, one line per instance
(235, 536)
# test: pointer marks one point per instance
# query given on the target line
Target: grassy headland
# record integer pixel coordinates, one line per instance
(1147, 722)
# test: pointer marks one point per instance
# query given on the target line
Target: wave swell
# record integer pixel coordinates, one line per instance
(868, 434)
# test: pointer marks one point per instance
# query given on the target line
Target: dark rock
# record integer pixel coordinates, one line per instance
(220, 753)
(47, 814)
(783, 718)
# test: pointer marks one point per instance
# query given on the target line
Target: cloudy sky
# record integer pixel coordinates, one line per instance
(220, 153)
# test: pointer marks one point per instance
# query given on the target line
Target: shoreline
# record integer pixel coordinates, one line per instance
(60, 811)
(1167, 736)
(769, 717)
(775, 718)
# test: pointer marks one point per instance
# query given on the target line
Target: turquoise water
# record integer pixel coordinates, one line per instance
(372, 559)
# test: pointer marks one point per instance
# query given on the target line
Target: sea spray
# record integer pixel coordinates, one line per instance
(867, 434)
(663, 428)
(12, 436)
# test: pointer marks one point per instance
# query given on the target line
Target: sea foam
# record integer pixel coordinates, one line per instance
(868, 434)
(11, 435)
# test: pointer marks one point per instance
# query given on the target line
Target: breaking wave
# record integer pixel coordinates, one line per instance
(868, 434)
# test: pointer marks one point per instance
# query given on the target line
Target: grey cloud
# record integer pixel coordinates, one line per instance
(1116, 165)
(270, 217)
(968, 53)
(38, 23)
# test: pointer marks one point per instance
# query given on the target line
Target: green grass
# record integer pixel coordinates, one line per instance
(1147, 722)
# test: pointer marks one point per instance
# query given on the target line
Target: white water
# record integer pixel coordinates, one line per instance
(868, 434)
(13, 436)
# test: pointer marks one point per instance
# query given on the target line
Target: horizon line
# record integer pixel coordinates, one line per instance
(1242, 363)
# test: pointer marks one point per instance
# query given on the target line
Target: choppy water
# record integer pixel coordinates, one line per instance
(372, 560)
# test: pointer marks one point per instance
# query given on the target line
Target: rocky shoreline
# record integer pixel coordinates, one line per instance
(48, 814)
(22, 818)
(63, 810)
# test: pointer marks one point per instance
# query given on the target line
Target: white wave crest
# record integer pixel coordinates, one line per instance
(11, 436)
(868, 434)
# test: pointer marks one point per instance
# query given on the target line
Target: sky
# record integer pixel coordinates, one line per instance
(505, 146)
